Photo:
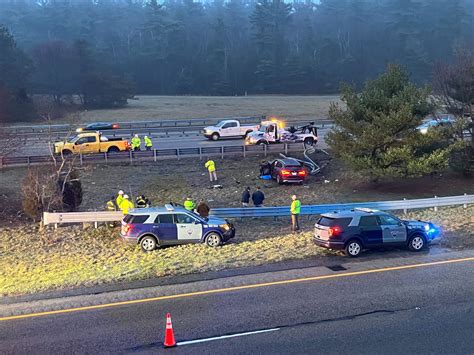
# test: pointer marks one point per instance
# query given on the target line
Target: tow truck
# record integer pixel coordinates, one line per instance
(274, 132)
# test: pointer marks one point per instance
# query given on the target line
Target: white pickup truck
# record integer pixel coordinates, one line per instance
(228, 129)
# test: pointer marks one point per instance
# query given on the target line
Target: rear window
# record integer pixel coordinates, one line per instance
(332, 222)
(135, 219)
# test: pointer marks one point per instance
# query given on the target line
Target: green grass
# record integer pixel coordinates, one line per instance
(33, 261)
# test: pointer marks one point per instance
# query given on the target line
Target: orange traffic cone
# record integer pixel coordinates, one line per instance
(169, 335)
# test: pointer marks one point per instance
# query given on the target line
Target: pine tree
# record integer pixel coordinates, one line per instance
(376, 133)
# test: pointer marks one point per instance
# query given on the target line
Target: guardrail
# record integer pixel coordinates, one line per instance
(157, 154)
(152, 128)
(274, 212)
(192, 122)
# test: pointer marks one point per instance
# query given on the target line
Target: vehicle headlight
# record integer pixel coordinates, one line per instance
(79, 130)
(225, 227)
(427, 227)
(208, 131)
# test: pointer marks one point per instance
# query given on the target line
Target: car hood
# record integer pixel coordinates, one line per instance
(416, 224)
(215, 221)
(211, 128)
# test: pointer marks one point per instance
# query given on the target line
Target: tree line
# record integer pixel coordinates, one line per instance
(231, 47)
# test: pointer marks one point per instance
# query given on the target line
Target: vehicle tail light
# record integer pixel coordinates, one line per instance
(126, 228)
(302, 173)
(334, 231)
(285, 172)
(115, 126)
(127, 144)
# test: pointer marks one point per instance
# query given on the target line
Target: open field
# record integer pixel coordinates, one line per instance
(295, 108)
(33, 261)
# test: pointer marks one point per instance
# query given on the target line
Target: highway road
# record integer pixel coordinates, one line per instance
(392, 310)
(33, 146)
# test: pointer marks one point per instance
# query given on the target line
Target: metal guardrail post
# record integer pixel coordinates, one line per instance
(405, 209)
(105, 156)
(465, 205)
(28, 160)
(222, 152)
(200, 153)
(244, 150)
(436, 207)
(286, 149)
(131, 156)
(80, 158)
(177, 153)
(154, 155)
(265, 149)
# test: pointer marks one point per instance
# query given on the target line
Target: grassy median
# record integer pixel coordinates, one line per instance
(33, 261)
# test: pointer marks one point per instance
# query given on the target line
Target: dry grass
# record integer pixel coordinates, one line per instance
(33, 261)
(299, 108)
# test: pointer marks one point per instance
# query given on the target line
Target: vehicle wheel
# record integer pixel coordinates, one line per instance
(416, 243)
(113, 150)
(66, 152)
(215, 136)
(353, 248)
(262, 142)
(279, 180)
(308, 142)
(148, 244)
(213, 240)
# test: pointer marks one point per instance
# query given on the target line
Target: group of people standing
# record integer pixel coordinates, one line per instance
(136, 143)
(122, 202)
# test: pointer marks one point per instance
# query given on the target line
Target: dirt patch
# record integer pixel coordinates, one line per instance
(175, 180)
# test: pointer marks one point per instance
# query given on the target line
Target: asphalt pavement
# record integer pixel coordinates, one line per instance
(393, 310)
(34, 146)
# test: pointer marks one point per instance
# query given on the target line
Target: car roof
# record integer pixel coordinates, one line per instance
(290, 161)
(352, 213)
(160, 210)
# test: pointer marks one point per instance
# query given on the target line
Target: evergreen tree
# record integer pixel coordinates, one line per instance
(377, 134)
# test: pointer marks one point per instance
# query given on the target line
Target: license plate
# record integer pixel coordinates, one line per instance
(293, 173)
(322, 234)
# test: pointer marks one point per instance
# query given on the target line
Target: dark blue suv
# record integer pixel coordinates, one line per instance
(357, 229)
(170, 225)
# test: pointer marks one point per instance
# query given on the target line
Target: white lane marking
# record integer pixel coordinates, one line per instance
(189, 342)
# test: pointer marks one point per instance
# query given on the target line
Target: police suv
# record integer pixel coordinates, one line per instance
(172, 225)
(360, 228)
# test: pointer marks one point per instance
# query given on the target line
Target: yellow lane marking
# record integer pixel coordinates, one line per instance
(235, 288)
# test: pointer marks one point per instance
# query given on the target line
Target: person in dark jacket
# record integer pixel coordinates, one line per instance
(246, 197)
(258, 197)
(203, 209)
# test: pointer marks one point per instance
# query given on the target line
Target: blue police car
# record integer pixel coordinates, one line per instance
(360, 228)
(172, 225)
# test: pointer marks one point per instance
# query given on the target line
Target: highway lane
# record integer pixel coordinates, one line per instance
(418, 310)
(33, 147)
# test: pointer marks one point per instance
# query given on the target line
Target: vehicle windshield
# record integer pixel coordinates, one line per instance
(221, 123)
(263, 128)
(73, 139)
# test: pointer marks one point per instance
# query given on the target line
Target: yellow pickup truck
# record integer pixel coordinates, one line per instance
(93, 142)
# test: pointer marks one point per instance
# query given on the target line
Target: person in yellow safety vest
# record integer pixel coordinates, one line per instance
(211, 167)
(189, 204)
(136, 142)
(295, 210)
(126, 204)
(111, 207)
(119, 199)
(111, 204)
(148, 143)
